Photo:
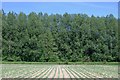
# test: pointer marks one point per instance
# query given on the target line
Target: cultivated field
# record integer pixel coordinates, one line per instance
(59, 71)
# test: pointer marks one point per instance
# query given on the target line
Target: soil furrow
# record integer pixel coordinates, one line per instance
(42, 74)
(47, 74)
(70, 74)
(80, 74)
(73, 73)
(57, 74)
(37, 73)
(52, 73)
(66, 75)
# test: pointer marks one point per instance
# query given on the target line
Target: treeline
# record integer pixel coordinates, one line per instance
(39, 37)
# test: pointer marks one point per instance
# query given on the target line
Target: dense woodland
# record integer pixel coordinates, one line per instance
(39, 37)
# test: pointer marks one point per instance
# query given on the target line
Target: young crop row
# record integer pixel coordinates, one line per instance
(59, 71)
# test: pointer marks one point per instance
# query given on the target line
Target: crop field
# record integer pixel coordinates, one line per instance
(59, 71)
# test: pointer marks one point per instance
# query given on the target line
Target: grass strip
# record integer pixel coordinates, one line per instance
(61, 63)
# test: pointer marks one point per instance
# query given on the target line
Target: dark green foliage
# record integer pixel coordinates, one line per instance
(59, 38)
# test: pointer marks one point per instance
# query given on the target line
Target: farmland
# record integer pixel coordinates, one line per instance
(40, 44)
(59, 71)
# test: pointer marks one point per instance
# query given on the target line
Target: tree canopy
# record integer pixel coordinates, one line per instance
(39, 37)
